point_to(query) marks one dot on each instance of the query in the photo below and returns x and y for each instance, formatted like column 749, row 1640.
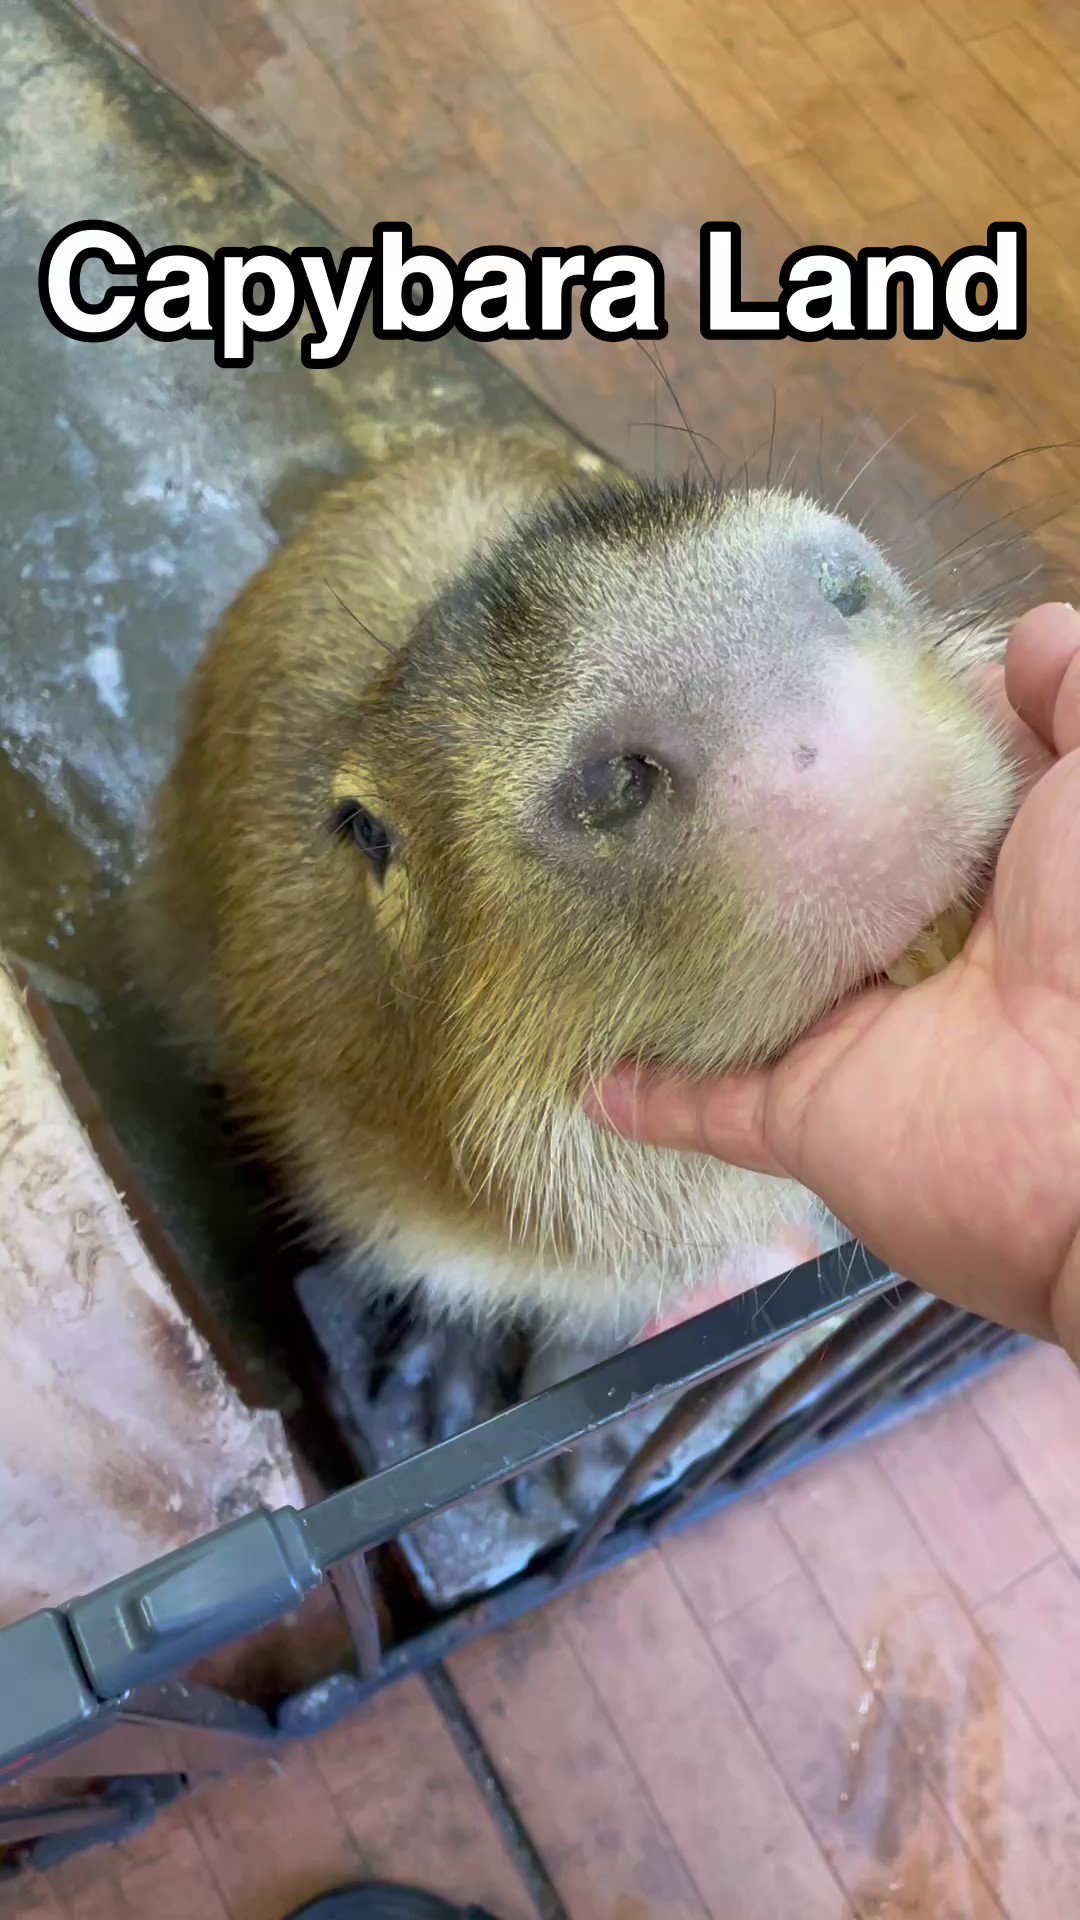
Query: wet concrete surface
column 140, row 486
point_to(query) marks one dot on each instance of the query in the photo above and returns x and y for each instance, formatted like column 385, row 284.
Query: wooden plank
column 1026, row 72
column 848, row 1758
column 38, row 1898
column 851, row 1533
column 969, row 18
column 730, row 1560
column 972, row 1735
column 808, row 16
column 702, row 1759
column 984, row 1531
column 577, row 1787
column 167, row 1878
column 746, row 122
column 273, row 1838
column 1035, row 1631
column 948, row 73
column 411, row 1807
column 1032, row 1408
column 574, row 113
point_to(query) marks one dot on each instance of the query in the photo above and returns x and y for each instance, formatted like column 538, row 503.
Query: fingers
column 1042, row 676
column 1067, row 709
column 751, row 1119
column 1033, row 756
column 725, row 1118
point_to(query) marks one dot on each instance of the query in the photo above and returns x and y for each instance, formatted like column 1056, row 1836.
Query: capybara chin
column 501, row 772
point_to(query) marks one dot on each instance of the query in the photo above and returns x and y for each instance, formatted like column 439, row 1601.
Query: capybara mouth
column 935, row 948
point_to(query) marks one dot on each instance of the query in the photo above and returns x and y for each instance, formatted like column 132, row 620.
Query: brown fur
column 413, row 1052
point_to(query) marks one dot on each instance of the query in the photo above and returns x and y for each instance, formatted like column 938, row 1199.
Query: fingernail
column 611, row 1105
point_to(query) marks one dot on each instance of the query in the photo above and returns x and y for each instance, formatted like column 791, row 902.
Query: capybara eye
column 847, row 589
column 606, row 794
column 369, row 834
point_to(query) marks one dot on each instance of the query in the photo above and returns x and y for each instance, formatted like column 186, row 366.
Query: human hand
column 941, row 1124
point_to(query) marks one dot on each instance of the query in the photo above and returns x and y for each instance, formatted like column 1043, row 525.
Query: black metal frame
column 89, row 1694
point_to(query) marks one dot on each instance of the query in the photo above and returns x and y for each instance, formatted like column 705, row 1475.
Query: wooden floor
column 858, row 1696
column 847, row 122
column 861, row 1695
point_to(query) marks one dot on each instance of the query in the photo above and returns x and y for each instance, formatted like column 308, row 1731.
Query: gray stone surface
column 140, row 486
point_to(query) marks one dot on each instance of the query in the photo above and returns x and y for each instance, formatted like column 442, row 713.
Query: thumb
column 1067, row 709
column 1042, row 674
column 755, row 1119
column 725, row 1118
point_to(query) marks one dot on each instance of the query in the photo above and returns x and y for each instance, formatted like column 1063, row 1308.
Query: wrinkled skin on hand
column 942, row 1124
